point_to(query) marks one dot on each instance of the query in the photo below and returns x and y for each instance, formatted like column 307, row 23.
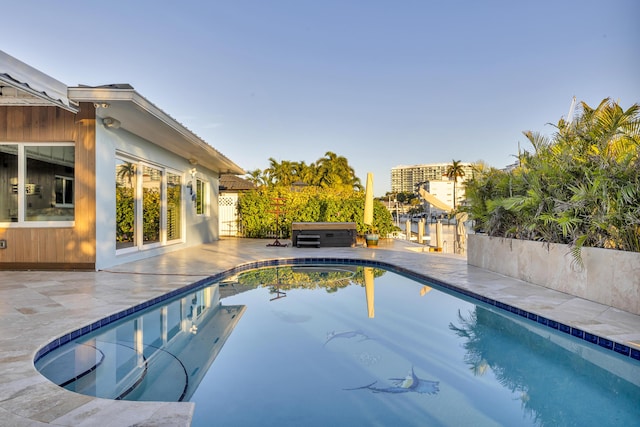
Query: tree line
column 330, row 172
column 324, row 191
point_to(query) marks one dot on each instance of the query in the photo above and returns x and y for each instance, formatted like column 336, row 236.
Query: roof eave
column 45, row 89
column 116, row 100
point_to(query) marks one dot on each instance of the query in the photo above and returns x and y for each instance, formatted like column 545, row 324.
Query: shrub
column 257, row 210
column 581, row 188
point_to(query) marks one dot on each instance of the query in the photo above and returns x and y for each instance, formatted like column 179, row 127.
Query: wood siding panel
column 86, row 184
column 28, row 119
column 51, row 245
column 55, row 247
column 15, row 124
column 7, row 255
column 26, row 246
column 3, row 124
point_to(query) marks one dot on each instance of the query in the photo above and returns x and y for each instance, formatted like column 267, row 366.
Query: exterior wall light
column 111, row 123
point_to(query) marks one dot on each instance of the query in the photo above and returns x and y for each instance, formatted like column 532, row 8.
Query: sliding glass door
column 151, row 204
column 174, row 206
column 148, row 205
column 126, row 206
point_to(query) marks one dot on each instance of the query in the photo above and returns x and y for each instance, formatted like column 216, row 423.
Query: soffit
column 137, row 115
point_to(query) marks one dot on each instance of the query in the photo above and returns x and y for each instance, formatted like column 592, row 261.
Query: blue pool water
column 349, row 345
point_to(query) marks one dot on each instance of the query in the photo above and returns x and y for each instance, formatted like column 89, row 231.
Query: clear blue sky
column 382, row 83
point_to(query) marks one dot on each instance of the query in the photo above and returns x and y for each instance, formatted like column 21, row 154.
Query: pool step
column 72, row 364
column 81, row 367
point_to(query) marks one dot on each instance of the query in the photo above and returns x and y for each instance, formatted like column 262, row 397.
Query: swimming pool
column 348, row 344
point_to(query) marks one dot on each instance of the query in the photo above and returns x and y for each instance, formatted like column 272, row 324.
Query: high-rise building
column 407, row 178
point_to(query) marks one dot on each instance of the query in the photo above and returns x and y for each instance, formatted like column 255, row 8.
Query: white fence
column 228, row 215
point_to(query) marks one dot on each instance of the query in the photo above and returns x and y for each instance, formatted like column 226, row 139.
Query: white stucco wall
column 196, row 229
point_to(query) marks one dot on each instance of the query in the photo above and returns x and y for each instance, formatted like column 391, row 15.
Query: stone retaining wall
column 607, row 276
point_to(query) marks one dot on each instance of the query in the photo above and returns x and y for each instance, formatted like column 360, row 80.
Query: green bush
column 257, row 210
column 125, row 215
column 582, row 187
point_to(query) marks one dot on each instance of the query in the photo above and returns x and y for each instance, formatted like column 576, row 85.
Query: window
column 36, row 183
column 126, row 179
column 64, row 191
column 148, row 205
column 174, row 206
column 151, row 204
column 9, row 183
column 202, row 204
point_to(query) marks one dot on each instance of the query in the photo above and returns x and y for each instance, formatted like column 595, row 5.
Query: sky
column 383, row 83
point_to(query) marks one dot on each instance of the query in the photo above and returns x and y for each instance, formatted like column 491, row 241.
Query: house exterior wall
column 196, row 229
column 54, row 247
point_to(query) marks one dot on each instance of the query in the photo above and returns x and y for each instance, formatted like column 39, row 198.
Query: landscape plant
column 258, row 217
column 331, row 172
column 324, row 191
column 125, row 214
column 580, row 187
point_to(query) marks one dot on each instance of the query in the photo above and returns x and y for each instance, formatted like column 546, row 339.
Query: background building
column 443, row 191
column 407, row 178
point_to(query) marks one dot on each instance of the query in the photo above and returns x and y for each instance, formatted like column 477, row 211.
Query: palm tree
column 286, row 172
column 257, row 177
column 579, row 187
column 454, row 171
column 334, row 171
column 126, row 171
column 600, row 207
column 306, row 173
column 331, row 171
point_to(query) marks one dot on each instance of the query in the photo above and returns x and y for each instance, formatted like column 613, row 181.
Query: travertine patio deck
column 37, row 307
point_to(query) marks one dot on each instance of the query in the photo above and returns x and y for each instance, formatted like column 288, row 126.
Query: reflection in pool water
column 311, row 346
column 161, row 354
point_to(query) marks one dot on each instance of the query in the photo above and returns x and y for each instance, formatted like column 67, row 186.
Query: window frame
column 136, row 245
column 181, row 208
column 142, row 166
column 164, row 171
column 202, row 186
column 22, row 185
column 64, row 203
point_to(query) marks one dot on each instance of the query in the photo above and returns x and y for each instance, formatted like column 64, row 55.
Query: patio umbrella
column 368, row 286
column 368, row 200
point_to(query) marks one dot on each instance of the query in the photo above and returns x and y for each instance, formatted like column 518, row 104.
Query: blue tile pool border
column 602, row 342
